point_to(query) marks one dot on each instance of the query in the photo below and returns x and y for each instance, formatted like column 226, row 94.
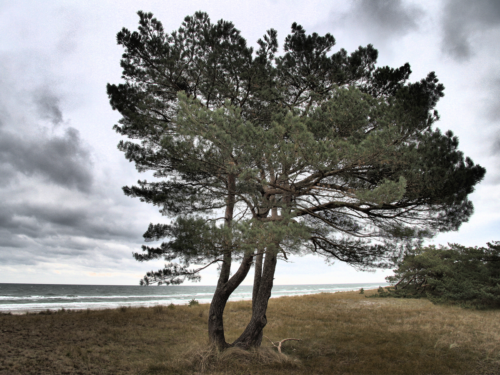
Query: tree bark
column 252, row 336
column 226, row 285
column 222, row 293
column 257, row 277
column 263, row 284
column 256, row 286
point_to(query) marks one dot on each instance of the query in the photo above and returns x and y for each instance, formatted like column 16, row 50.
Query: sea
column 26, row 298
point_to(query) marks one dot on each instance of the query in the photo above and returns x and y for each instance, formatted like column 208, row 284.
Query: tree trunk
column 256, row 287
column 222, row 293
column 263, row 284
column 226, row 285
column 252, row 336
column 257, row 277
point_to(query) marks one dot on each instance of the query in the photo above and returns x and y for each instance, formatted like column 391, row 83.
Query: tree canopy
column 469, row 276
column 259, row 155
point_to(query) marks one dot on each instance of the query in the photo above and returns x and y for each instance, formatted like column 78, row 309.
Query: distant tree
column 469, row 276
column 304, row 152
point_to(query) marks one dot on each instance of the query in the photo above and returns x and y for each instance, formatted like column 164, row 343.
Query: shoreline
column 50, row 311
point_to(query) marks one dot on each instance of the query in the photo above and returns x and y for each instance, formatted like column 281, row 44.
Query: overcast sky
column 63, row 216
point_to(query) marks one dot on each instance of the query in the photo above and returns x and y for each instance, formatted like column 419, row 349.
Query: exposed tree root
column 280, row 342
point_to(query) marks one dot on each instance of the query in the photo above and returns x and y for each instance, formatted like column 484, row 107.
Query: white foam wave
column 79, row 302
column 66, row 297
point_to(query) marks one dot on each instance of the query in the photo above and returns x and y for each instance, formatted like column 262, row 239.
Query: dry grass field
column 341, row 333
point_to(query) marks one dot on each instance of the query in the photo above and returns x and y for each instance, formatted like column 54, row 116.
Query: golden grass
column 341, row 333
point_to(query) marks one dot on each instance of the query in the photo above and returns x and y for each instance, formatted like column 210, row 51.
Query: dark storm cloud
column 51, row 206
column 71, row 228
column 8, row 241
column 386, row 18
column 464, row 18
column 62, row 160
column 42, row 220
column 26, row 146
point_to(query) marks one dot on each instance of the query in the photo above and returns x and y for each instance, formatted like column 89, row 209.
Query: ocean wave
column 92, row 305
column 39, row 301
column 276, row 291
column 53, row 297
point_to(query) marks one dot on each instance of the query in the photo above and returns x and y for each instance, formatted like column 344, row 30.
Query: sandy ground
column 58, row 343
column 340, row 333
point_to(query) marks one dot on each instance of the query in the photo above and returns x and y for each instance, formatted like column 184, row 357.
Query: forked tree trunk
column 222, row 293
column 263, row 284
column 226, row 285
column 252, row 336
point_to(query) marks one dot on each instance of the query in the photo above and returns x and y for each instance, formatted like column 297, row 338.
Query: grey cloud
column 48, row 106
column 18, row 256
column 387, row 18
column 26, row 255
column 7, row 174
column 493, row 105
column 10, row 242
column 26, row 146
column 67, row 226
column 56, row 205
column 491, row 111
column 5, row 216
column 62, row 160
column 496, row 145
column 462, row 19
column 42, row 220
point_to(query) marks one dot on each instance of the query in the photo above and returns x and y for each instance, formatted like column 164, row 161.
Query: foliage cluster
column 193, row 302
column 259, row 155
column 310, row 150
column 469, row 276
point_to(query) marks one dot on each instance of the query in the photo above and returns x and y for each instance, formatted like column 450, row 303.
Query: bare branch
column 281, row 342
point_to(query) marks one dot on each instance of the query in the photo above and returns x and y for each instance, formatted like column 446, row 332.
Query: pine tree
column 308, row 151
column 468, row 276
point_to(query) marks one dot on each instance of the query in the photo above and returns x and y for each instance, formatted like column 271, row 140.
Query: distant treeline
column 467, row 276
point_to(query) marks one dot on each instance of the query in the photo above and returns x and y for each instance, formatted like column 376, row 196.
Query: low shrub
column 466, row 276
column 193, row 302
